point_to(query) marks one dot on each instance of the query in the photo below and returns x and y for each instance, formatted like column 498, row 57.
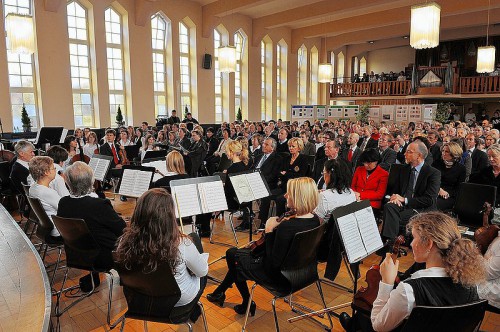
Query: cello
column 365, row 296
column 487, row 233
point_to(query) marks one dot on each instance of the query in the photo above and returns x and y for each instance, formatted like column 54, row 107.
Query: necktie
column 411, row 183
column 262, row 160
column 115, row 156
column 363, row 145
column 349, row 155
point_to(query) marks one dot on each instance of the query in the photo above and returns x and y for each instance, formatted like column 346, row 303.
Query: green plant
column 25, row 119
column 443, row 112
column 186, row 111
column 363, row 113
column 239, row 116
column 119, row 117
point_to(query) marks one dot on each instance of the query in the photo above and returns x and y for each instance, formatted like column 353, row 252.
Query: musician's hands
column 389, row 270
column 397, row 199
column 271, row 224
column 443, row 193
column 118, row 166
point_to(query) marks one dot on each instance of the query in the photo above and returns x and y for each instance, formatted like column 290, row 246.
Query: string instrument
column 6, row 155
column 487, row 233
column 258, row 246
column 122, row 154
column 80, row 156
column 365, row 296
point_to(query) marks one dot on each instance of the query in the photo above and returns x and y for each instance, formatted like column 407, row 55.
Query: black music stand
column 136, row 168
column 132, row 152
column 48, row 135
column 155, row 154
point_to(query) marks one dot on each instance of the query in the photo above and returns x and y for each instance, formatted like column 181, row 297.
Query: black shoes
column 204, row 233
column 217, row 298
column 346, row 321
column 241, row 309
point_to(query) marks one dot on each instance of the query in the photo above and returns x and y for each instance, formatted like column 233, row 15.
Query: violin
column 258, row 246
column 487, row 233
column 6, row 155
column 80, row 156
column 365, row 296
column 122, row 154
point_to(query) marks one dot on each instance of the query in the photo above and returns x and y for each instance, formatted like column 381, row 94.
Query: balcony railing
column 480, row 84
column 388, row 88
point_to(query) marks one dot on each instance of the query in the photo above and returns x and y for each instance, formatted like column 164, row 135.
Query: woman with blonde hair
column 302, row 196
column 175, row 168
column 453, row 266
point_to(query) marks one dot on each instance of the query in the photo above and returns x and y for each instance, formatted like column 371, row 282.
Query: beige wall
column 385, row 60
column 53, row 68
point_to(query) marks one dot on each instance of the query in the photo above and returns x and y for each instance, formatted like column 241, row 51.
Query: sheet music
column 351, row 236
column 257, row 186
column 100, row 167
column 63, row 135
column 368, row 229
column 159, row 165
column 242, row 188
column 134, row 182
column 187, row 196
column 212, row 196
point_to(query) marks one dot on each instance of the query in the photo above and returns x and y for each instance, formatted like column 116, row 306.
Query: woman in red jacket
column 370, row 180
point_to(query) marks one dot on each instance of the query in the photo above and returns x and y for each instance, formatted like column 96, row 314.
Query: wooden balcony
column 377, row 89
column 480, row 84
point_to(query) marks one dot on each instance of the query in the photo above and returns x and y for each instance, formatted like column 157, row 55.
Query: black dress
column 297, row 169
column 165, row 181
column 450, row 181
column 486, row 177
column 237, row 167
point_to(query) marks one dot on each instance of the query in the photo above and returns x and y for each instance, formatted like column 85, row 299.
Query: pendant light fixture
column 227, row 59
column 20, row 33
column 486, row 54
column 325, row 69
column 424, row 26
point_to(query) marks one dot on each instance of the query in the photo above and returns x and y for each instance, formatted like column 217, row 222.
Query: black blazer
column 197, row 153
column 355, row 156
column 387, row 158
column 401, row 154
column 299, row 168
column 185, row 143
column 165, row 181
column 320, row 153
column 270, row 169
column 232, row 201
column 19, row 175
column 436, row 151
column 213, row 145
column 426, row 189
column 371, row 144
column 479, row 161
column 105, row 150
column 282, row 147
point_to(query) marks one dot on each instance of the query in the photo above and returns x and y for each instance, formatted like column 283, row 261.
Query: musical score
column 134, row 182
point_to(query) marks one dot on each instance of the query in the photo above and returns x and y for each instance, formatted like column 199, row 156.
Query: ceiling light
column 20, row 33
column 424, row 26
column 227, row 59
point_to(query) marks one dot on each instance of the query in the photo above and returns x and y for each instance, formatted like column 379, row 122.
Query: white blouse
column 49, row 199
column 330, row 199
column 490, row 289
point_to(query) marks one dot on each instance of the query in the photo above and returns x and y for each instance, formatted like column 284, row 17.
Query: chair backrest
column 224, row 163
column 460, row 318
column 26, row 189
column 5, row 168
column 80, row 246
column 300, row 266
column 45, row 225
column 470, row 201
column 149, row 295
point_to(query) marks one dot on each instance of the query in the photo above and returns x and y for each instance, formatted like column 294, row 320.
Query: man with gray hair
column 105, row 225
column 20, row 173
column 415, row 189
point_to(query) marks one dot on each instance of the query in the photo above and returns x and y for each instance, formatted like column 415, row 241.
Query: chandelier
column 424, row 26
column 20, row 33
column 227, row 59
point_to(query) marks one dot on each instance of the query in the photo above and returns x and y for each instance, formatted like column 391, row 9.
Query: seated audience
column 309, row 148
column 370, row 180
column 489, row 175
column 302, row 197
column 387, row 155
column 352, row 152
column 479, row 158
column 153, row 239
column 490, row 289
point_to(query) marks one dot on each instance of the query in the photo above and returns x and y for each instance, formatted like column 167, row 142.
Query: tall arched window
column 332, row 61
column 266, row 59
column 313, row 95
column 218, row 77
column 281, row 79
column 22, row 80
column 160, row 32
column 362, row 66
column 184, row 55
column 116, row 72
column 302, row 75
column 239, row 42
column 340, row 68
column 79, row 53
column 355, row 66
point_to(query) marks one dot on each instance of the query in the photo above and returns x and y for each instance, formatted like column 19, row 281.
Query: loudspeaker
column 207, row 61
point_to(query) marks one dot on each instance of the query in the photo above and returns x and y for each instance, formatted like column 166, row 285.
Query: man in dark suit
column 415, row 190
column 269, row 164
column 173, row 118
column 332, row 148
column 110, row 148
column 387, row 154
column 212, row 141
column 400, row 147
column 352, row 152
column 282, row 141
column 20, row 168
column 367, row 142
column 435, row 148
column 479, row 158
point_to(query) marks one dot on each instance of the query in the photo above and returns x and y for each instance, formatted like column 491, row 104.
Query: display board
column 415, row 113
column 335, row 112
column 351, row 111
column 320, row 111
column 401, row 113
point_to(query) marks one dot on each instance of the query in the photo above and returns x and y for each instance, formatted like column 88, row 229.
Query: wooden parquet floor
column 90, row 314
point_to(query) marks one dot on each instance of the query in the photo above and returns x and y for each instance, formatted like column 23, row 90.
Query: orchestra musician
column 59, row 156
column 90, row 148
column 301, row 196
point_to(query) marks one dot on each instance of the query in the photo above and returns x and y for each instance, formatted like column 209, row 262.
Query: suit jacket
column 479, row 161
column 197, row 154
column 318, row 170
column 213, row 145
column 185, row 143
column 105, row 150
column 320, row 153
column 270, row 168
column 401, row 154
column 371, row 144
column 387, row 158
column 309, row 149
column 426, row 189
column 19, row 175
column 299, row 168
column 371, row 188
column 436, row 150
column 282, row 147
column 355, row 156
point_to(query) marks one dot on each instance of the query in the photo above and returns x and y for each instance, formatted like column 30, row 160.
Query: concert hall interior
column 345, row 152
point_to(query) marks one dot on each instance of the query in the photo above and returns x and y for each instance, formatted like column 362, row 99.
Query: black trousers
column 395, row 217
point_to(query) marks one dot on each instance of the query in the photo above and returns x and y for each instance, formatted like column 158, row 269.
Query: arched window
column 160, row 32
column 116, row 72
column 340, row 68
column 362, row 66
column 184, row 54
column 266, row 59
column 22, row 80
column 355, row 65
column 218, row 77
column 281, row 79
column 313, row 93
column 79, row 53
column 239, row 43
column 302, row 75
column 332, row 61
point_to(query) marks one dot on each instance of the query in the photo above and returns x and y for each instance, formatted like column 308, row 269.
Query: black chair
column 32, row 219
column 43, row 230
column 5, row 189
column 460, row 318
column 300, row 268
column 81, row 253
column 152, row 297
column 470, row 201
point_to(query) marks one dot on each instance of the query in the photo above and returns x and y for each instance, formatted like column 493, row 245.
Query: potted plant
column 363, row 113
column 25, row 119
column 443, row 112
column 119, row 117
column 239, row 116
column 186, row 111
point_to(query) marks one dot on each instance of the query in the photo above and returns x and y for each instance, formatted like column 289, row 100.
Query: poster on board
column 429, row 111
column 335, row 112
column 351, row 111
column 374, row 113
column 415, row 113
column 308, row 112
column 387, row 112
column 401, row 113
column 296, row 112
column 320, row 112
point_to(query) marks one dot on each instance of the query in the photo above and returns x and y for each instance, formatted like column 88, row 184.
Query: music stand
column 48, row 135
column 155, row 154
column 135, row 180
column 132, row 151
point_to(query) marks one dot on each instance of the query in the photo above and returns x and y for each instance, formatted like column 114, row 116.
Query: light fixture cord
column 488, row 24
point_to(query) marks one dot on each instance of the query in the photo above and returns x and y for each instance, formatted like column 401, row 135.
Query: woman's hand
column 443, row 193
column 271, row 224
column 358, row 196
column 389, row 270
column 283, row 172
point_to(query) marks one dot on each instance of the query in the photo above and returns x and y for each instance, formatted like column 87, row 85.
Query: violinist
column 302, row 197
column 110, row 148
column 90, row 148
column 148, row 146
column 490, row 288
column 124, row 138
column 59, row 155
column 71, row 145
column 437, row 243
column 79, row 136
